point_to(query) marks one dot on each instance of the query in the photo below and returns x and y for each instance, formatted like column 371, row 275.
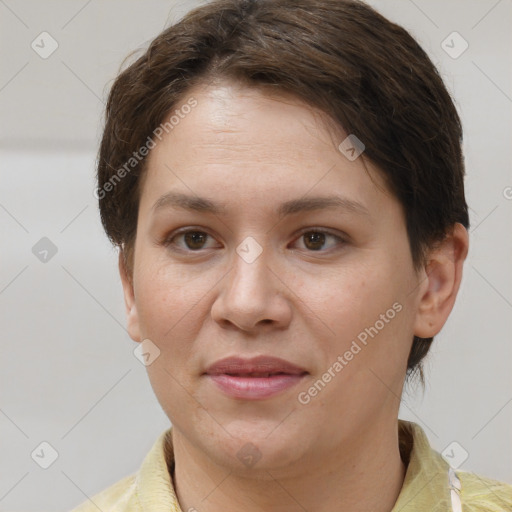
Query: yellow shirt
column 430, row 484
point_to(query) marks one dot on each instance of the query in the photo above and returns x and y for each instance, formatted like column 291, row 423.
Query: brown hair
column 341, row 56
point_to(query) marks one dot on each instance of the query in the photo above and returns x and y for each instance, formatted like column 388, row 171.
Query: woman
column 285, row 182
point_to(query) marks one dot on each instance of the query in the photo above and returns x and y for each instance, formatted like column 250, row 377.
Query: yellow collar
column 429, row 485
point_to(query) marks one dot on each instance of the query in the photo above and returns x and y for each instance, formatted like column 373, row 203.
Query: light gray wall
column 67, row 372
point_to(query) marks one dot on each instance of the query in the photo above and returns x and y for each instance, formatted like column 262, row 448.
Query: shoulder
column 118, row 497
column 481, row 494
column 149, row 488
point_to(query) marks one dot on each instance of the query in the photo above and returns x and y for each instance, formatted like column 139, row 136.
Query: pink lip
column 256, row 378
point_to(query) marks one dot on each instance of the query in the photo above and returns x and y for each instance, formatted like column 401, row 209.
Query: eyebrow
column 202, row 204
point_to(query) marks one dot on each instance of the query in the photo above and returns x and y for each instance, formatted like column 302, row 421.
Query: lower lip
column 255, row 388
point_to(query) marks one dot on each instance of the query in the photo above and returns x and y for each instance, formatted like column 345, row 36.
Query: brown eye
column 317, row 240
column 191, row 240
column 314, row 241
column 195, row 239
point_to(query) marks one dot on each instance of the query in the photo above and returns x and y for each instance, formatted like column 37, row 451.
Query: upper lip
column 256, row 365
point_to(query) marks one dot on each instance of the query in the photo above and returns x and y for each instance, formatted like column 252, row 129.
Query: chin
column 256, row 446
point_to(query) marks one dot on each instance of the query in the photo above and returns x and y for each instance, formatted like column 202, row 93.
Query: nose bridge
column 250, row 275
column 251, row 293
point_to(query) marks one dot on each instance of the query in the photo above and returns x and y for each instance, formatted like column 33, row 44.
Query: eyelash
column 169, row 240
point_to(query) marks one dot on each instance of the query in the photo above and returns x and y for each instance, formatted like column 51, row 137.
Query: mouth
column 254, row 367
column 254, row 379
column 257, row 375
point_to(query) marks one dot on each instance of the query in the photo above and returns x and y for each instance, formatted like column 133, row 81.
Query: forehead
column 245, row 141
column 232, row 116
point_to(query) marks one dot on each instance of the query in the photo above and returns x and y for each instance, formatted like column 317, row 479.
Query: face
column 294, row 252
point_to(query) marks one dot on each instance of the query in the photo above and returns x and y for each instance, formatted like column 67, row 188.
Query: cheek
column 169, row 298
column 345, row 300
column 169, row 306
column 366, row 307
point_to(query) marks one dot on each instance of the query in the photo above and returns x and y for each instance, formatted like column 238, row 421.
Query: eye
column 193, row 240
column 315, row 239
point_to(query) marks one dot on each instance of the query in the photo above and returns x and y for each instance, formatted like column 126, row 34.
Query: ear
column 129, row 300
column 442, row 278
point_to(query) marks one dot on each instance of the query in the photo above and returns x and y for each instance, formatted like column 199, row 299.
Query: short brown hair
column 341, row 56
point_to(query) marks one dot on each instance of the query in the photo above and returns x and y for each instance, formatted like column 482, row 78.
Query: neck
column 364, row 474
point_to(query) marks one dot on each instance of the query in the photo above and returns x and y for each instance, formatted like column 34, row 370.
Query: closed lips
column 256, row 374
column 261, row 366
column 258, row 378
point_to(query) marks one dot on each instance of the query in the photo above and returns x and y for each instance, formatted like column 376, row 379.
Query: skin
column 252, row 151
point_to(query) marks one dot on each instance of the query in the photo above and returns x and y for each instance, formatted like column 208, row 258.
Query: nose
column 252, row 295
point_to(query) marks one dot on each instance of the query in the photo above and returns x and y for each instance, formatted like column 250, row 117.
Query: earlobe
column 443, row 278
column 129, row 300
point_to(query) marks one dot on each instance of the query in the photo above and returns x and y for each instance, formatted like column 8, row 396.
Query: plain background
column 68, row 375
